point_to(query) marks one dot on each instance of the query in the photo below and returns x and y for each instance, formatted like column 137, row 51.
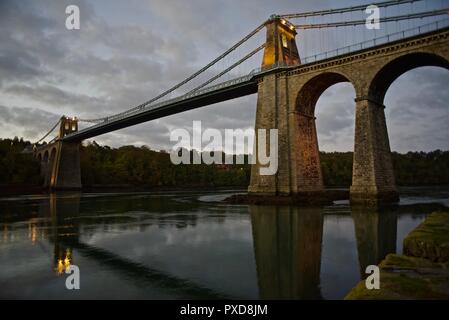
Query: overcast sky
column 126, row 52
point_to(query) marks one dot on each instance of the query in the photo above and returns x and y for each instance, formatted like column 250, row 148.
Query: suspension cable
column 347, row 9
column 249, row 55
column 194, row 75
column 51, row 130
column 386, row 19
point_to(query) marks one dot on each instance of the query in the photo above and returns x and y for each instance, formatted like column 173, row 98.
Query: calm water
column 188, row 245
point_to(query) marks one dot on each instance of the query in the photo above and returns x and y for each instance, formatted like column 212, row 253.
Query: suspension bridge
column 288, row 83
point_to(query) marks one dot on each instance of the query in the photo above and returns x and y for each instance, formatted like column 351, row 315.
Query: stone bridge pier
column 60, row 160
column 287, row 99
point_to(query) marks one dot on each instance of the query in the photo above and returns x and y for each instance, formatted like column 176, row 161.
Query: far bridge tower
column 60, row 160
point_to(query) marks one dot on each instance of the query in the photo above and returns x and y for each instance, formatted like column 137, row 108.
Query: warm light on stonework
column 64, row 264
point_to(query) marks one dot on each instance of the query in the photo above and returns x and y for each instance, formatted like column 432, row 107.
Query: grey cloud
column 57, row 98
column 335, row 113
column 121, row 59
column 418, row 119
column 26, row 122
column 19, row 67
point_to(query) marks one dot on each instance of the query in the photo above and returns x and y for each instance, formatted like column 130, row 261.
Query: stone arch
column 307, row 164
column 39, row 157
column 52, row 154
column 46, row 156
column 395, row 68
column 311, row 91
column 373, row 176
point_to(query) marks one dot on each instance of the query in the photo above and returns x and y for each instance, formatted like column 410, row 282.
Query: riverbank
column 325, row 197
column 422, row 272
column 8, row 190
column 122, row 188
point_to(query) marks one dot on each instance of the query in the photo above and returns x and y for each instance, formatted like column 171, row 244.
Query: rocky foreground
column 422, row 272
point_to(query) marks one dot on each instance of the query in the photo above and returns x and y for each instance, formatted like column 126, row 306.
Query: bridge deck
column 239, row 89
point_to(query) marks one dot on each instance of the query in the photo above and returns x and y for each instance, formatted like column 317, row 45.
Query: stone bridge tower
column 60, row 160
column 273, row 113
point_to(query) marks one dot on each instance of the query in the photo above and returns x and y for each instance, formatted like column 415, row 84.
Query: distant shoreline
column 6, row 190
column 25, row 190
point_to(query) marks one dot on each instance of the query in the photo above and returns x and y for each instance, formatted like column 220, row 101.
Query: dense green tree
column 143, row 167
column 16, row 167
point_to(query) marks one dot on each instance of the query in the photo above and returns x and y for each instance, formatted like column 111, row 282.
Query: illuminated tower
column 280, row 46
column 68, row 125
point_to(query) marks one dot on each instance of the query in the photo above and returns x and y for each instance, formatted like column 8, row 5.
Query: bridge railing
column 184, row 97
column 433, row 26
column 195, row 93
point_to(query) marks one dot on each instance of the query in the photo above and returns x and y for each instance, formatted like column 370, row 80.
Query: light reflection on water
column 188, row 245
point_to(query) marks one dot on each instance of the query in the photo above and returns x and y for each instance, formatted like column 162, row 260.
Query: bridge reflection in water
column 170, row 247
column 65, row 236
column 287, row 246
column 61, row 234
column 376, row 235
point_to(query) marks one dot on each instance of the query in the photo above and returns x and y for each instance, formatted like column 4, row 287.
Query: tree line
column 143, row 167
